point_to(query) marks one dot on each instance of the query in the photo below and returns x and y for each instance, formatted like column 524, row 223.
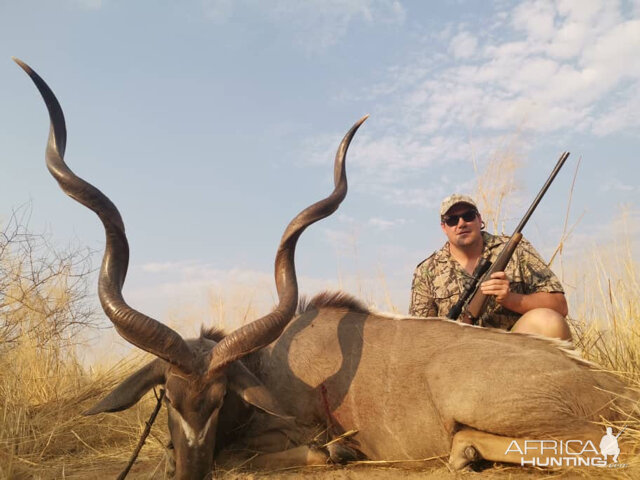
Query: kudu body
column 425, row 388
column 415, row 389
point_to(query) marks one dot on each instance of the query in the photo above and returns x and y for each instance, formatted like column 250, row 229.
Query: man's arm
column 498, row 286
column 422, row 300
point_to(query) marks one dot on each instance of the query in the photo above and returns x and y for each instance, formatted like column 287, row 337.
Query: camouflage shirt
column 439, row 280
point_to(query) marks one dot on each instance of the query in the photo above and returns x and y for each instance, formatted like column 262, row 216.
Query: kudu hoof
column 463, row 458
column 340, row 453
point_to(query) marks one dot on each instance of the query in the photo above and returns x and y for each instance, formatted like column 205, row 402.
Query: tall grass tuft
column 43, row 386
column 496, row 184
column 606, row 302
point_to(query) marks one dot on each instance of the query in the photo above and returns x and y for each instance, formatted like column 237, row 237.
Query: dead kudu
column 414, row 389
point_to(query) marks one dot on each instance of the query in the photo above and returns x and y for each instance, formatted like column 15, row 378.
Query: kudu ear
column 252, row 390
column 132, row 389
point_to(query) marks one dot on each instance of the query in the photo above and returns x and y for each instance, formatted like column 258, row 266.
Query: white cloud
column 535, row 18
column 622, row 115
column 396, row 156
column 426, row 198
column 616, row 52
column 200, row 273
column 463, row 45
column 557, row 68
column 343, row 241
column 342, row 218
column 383, row 224
column 195, row 289
column 162, row 267
column 618, row 185
column 569, row 41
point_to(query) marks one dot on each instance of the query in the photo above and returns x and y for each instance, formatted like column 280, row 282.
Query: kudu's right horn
column 142, row 331
column 265, row 330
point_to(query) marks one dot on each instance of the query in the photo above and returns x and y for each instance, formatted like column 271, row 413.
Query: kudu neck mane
column 326, row 299
column 335, row 299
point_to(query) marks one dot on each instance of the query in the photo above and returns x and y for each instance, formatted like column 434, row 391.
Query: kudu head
column 196, row 374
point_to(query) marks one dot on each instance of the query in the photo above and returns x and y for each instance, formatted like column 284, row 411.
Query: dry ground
column 154, row 469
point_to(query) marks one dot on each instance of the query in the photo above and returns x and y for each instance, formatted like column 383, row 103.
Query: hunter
column 527, row 297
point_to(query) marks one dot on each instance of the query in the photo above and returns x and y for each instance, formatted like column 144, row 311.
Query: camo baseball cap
column 454, row 199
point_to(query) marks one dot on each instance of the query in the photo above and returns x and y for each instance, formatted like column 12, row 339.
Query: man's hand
column 498, row 286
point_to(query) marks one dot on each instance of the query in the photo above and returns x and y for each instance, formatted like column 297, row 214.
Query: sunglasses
column 452, row 220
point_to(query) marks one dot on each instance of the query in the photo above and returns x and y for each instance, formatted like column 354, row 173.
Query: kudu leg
column 301, row 456
column 472, row 445
column 307, row 455
column 279, row 452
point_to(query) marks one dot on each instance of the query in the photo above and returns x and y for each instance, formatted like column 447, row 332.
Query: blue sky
column 211, row 123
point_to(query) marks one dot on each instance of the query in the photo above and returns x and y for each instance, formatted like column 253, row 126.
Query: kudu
column 415, row 389
column 197, row 374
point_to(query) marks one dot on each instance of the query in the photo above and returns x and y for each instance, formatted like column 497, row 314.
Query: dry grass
column 607, row 304
column 43, row 386
column 496, row 185
column 42, row 431
column 604, row 295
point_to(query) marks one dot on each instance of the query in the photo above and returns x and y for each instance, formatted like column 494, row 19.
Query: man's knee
column 543, row 321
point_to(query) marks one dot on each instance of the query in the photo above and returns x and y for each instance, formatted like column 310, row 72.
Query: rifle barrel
column 545, row 187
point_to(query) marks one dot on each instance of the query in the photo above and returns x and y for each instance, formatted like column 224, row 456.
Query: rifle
column 473, row 302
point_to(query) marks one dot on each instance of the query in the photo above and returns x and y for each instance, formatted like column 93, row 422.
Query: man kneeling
column 527, row 297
